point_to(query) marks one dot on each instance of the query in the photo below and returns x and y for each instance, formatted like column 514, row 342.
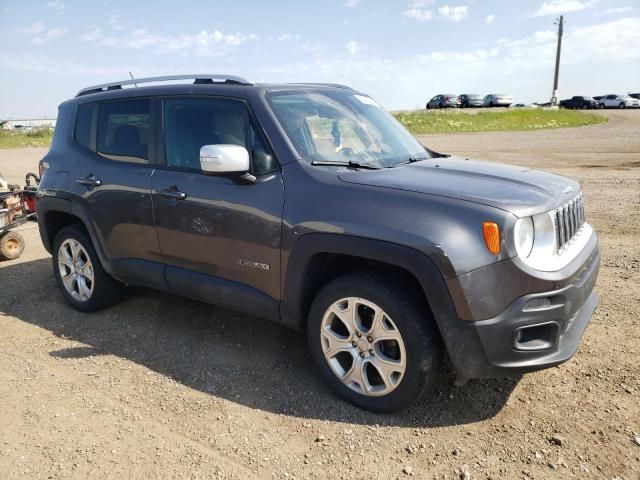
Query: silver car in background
column 618, row 101
column 443, row 100
column 497, row 100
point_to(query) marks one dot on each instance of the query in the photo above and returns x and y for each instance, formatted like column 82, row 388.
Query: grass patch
column 494, row 120
column 20, row 139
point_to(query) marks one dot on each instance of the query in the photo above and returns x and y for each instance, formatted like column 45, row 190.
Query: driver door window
column 193, row 123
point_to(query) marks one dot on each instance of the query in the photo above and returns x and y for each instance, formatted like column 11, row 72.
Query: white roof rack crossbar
column 136, row 81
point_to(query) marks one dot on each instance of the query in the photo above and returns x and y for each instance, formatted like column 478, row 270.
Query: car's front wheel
column 374, row 341
column 622, row 105
column 79, row 273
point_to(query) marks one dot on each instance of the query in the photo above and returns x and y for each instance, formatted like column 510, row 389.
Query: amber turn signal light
column 491, row 234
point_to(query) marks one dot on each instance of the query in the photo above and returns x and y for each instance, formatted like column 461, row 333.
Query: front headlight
column 523, row 236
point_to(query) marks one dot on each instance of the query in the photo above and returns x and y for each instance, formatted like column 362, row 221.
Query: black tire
column 584, row 106
column 441, row 105
column 428, row 107
column 622, row 105
column 107, row 291
column 422, row 342
column 491, row 104
column 11, row 246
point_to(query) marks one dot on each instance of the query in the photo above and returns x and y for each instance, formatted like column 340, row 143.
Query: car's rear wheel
column 622, row 105
column 79, row 273
column 441, row 105
column 374, row 341
column 584, row 106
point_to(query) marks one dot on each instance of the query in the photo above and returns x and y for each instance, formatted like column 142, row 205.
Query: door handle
column 172, row 192
column 90, row 181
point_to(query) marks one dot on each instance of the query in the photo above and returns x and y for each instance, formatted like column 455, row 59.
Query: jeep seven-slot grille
column 569, row 218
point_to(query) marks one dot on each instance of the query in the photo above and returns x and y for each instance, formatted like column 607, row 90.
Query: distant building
column 27, row 123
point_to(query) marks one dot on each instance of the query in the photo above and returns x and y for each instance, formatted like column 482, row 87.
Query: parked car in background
column 598, row 97
column 635, row 95
column 497, row 100
column 468, row 100
column 579, row 102
column 618, row 101
column 443, row 100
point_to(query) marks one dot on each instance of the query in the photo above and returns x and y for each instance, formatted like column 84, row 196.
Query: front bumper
column 536, row 331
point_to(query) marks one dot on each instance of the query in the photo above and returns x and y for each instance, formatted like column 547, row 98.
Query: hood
column 518, row 190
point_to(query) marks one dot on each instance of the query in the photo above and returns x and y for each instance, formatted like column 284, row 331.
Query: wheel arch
column 318, row 258
column 54, row 214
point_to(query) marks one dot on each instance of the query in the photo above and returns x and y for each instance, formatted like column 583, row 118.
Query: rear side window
column 83, row 125
column 124, row 131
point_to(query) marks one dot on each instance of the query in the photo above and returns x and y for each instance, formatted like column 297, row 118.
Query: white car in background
column 497, row 100
column 618, row 101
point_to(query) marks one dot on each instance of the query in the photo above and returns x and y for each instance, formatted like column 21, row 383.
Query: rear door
column 112, row 186
column 219, row 235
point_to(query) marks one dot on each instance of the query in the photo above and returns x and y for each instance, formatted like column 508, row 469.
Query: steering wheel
column 346, row 152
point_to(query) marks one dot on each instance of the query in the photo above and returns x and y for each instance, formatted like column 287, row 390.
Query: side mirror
column 224, row 158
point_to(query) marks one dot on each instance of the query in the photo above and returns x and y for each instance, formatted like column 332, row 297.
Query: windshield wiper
column 349, row 163
column 411, row 160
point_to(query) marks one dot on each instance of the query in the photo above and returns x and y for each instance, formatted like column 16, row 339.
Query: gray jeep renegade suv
column 309, row 205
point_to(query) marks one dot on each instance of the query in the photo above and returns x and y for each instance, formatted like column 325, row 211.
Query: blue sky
column 401, row 52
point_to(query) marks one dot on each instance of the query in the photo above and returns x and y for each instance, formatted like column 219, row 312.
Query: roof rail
column 198, row 78
column 316, row 84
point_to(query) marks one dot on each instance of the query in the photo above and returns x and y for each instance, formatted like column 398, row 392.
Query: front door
column 219, row 235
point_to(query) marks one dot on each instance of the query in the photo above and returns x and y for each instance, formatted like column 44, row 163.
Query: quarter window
column 190, row 124
column 124, row 131
column 84, row 119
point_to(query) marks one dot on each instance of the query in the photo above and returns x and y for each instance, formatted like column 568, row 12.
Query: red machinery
column 17, row 206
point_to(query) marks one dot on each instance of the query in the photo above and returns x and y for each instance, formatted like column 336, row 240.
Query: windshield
column 343, row 126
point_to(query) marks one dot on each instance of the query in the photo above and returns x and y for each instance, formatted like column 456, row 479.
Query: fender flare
column 301, row 268
column 48, row 204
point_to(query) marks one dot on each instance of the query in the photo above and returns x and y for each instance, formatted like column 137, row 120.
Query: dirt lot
column 163, row 387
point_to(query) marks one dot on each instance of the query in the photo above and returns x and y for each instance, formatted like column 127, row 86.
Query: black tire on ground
column 622, row 105
column 441, row 105
column 11, row 245
column 107, row 291
column 491, row 104
column 412, row 317
column 428, row 107
column 584, row 106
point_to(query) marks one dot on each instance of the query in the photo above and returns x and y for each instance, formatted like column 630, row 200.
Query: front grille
column 568, row 219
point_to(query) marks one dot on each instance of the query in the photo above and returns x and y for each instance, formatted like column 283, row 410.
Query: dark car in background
column 635, row 95
column 579, row 102
column 403, row 256
column 443, row 100
column 469, row 100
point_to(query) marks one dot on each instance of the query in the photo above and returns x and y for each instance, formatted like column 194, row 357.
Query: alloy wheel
column 363, row 346
column 76, row 270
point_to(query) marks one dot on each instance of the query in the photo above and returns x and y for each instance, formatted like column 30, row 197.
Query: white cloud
column 56, row 5
column 114, row 22
column 351, row 3
column 37, row 27
column 556, row 7
column 489, row 18
column 206, row 44
column 354, row 47
column 454, row 14
column 616, row 10
column 416, row 10
column 56, row 32
column 286, row 37
column 40, row 34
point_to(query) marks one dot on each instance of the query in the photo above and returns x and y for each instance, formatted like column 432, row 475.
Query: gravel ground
column 163, row 387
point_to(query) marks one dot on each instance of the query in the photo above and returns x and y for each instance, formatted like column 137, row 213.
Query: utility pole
column 554, row 95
